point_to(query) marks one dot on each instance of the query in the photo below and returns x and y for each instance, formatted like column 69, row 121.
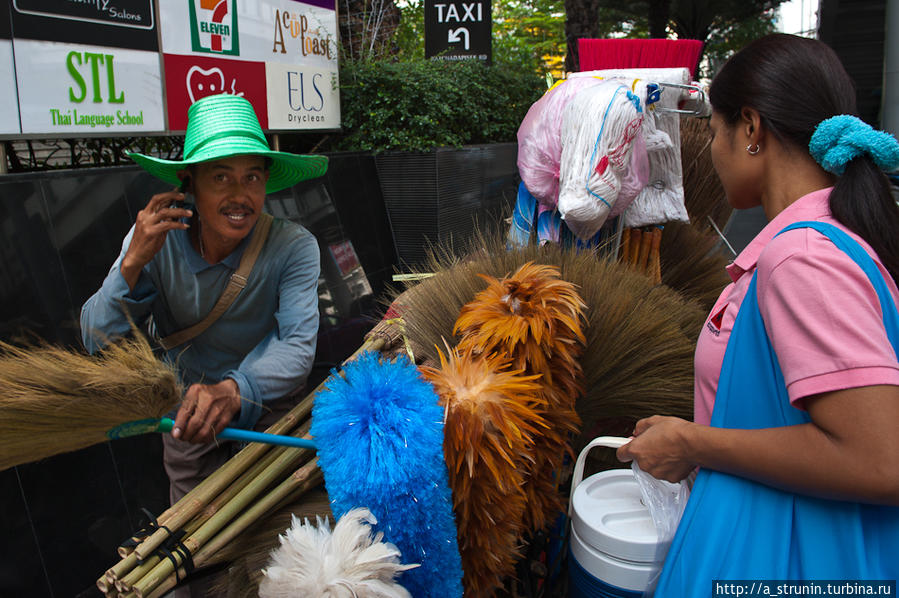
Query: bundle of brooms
column 640, row 335
column 638, row 361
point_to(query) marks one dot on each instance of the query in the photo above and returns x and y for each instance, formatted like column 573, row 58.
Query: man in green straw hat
column 242, row 366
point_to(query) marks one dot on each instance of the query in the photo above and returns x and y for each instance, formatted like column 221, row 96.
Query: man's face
column 229, row 194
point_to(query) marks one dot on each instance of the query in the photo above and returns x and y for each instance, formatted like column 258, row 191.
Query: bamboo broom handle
column 161, row 520
column 125, row 583
column 195, row 500
column 165, row 570
column 634, row 251
column 655, row 267
column 214, row 524
column 202, row 494
column 645, row 244
column 625, row 245
column 299, row 482
column 119, row 569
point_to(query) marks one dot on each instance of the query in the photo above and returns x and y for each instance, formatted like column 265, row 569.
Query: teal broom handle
column 166, row 424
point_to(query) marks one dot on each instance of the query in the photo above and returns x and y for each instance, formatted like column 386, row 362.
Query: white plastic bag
column 666, row 502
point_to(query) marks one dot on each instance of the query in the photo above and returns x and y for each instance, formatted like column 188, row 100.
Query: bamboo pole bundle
column 209, row 519
column 259, row 478
column 257, row 471
column 303, row 479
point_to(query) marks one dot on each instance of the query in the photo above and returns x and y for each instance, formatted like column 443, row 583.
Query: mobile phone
column 188, row 202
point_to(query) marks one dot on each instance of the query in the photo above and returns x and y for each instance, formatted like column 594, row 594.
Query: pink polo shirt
column 820, row 311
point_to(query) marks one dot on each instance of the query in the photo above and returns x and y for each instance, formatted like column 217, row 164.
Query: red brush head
column 598, row 54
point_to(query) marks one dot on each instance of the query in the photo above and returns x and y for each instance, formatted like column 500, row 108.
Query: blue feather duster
column 379, row 434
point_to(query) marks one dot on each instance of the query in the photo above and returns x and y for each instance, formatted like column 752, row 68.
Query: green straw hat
column 221, row 126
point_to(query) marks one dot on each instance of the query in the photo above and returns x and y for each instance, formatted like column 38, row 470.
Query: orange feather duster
column 491, row 426
column 535, row 317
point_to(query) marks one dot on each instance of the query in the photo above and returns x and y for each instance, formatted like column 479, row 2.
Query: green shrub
column 421, row 104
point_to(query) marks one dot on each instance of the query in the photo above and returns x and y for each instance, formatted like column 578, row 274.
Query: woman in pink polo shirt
column 796, row 431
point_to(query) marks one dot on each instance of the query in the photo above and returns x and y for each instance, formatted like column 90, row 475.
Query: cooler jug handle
column 614, row 442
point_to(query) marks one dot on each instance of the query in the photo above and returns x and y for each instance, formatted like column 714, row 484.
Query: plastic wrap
column 599, row 127
column 666, row 502
column 540, row 139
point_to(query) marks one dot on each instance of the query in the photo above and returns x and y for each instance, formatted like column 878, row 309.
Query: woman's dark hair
column 794, row 83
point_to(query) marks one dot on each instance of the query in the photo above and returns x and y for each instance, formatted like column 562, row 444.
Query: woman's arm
column 850, row 450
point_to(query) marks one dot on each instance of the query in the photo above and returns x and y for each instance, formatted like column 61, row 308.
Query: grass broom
column 56, row 401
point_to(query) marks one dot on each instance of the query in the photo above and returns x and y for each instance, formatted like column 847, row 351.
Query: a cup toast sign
column 302, row 70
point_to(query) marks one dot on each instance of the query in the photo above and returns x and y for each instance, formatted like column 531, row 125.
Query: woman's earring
column 751, row 151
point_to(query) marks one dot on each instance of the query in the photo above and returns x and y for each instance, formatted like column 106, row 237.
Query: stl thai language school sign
column 458, row 30
column 67, row 86
column 279, row 54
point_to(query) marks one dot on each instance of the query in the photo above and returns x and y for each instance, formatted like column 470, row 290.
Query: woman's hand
column 660, row 448
column 206, row 410
column 151, row 226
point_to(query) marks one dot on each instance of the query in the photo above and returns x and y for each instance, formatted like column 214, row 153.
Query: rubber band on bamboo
column 173, row 547
column 138, row 536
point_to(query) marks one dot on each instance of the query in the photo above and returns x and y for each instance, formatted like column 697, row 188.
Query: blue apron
column 737, row 529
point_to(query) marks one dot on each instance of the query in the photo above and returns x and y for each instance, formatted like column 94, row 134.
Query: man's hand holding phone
column 151, row 226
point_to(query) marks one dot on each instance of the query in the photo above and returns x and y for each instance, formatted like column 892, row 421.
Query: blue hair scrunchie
column 839, row 139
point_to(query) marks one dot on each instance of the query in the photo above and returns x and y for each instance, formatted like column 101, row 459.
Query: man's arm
column 126, row 291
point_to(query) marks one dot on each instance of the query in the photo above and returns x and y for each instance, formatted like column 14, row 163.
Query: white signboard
column 72, row 88
column 287, row 31
column 290, row 45
column 302, row 97
column 9, row 105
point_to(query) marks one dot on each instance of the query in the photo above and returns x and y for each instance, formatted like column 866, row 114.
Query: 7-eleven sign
column 214, row 26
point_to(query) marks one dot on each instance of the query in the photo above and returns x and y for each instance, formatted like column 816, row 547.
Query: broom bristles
column 638, row 359
column 55, row 400
column 703, row 193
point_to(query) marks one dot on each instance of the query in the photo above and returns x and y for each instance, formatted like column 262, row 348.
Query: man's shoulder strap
column 235, row 285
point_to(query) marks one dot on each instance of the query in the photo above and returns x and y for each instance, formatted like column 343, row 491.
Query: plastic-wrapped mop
column 540, row 139
column 599, row 127
column 662, row 199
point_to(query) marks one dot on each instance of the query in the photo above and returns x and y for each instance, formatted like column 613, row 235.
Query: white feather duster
column 346, row 563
